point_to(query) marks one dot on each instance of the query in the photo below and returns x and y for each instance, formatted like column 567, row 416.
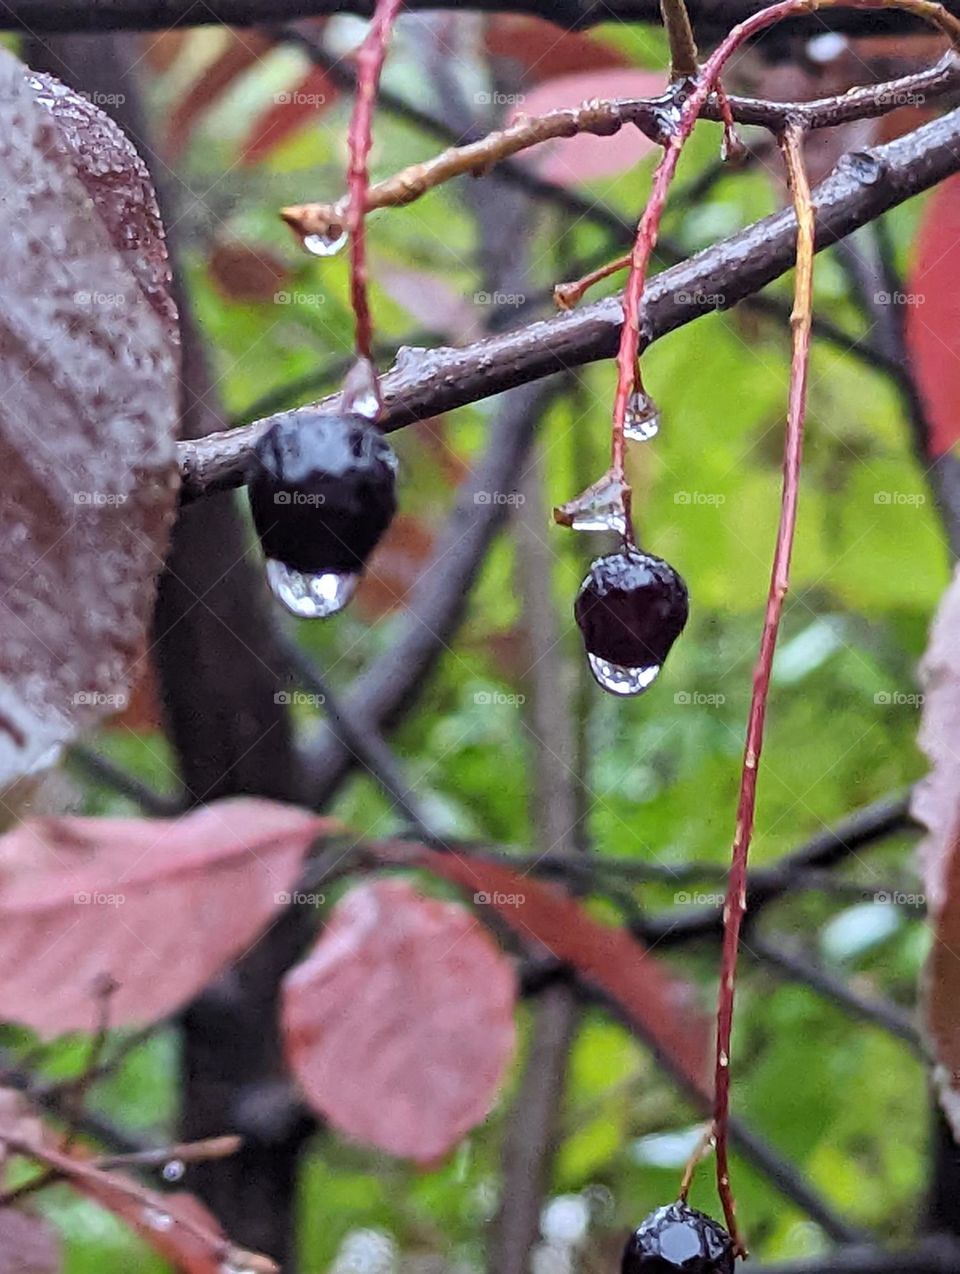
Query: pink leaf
column 27, row 1244
column 574, row 159
column 88, row 421
column 933, row 314
column 160, row 906
column 400, row 1025
column 936, row 800
column 663, row 1007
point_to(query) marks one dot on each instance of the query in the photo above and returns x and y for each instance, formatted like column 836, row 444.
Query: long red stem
column 370, row 57
column 736, row 901
column 649, row 225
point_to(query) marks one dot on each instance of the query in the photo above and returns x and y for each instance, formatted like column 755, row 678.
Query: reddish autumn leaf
column 290, row 111
column 569, row 160
column 936, row 799
column 243, row 49
column 399, row 1025
column 87, row 431
column 245, row 272
column 160, row 906
column 117, row 180
column 28, row 1244
column 933, row 314
column 942, row 999
column 664, row 1008
column 395, row 567
column 160, row 51
column 545, row 51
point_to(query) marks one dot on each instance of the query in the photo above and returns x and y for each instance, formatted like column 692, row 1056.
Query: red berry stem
column 370, row 58
column 791, row 143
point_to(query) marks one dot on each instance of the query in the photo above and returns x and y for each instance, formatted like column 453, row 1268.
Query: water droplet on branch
column 310, row 596
column 642, row 419
column 327, row 244
column 174, row 1170
column 601, row 507
column 361, row 391
column 154, row 1219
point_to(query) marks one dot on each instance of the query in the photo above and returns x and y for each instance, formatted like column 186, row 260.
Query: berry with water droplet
column 631, row 608
column 678, row 1238
column 322, row 494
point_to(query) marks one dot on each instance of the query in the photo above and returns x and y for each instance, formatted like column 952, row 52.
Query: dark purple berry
column 678, row 1238
column 322, row 491
column 631, row 608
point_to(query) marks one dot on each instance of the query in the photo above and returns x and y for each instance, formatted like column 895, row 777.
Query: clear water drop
column 327, row 244
column 310, row 596
column 154, row 1219
column 174, row 1170
column 642, row 419
column 622, row 681
column 361, row 390
column 601, row 507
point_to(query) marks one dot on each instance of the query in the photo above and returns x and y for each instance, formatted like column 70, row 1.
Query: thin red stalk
column 736, row 901
column 649, row 225
column 370, row 57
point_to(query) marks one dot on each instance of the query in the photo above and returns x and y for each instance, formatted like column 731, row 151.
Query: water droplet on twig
column 174, row 1170
column 327, row 244
column 642, row 419
column 361, row 391
column 601, row 507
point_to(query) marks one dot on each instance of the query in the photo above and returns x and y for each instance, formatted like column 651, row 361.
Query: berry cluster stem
column 370, row 58
column 791, row 144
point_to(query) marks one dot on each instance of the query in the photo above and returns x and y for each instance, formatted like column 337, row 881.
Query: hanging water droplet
column 310, row 596
column 622, row 681
column 174, row 1170
column 361, row 391
column 154, row 1219
column 601, row 507
column 327, row 244
column 642, row 419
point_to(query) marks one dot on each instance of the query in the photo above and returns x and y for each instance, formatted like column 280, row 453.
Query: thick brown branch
column 424, row 384
column 709, row 17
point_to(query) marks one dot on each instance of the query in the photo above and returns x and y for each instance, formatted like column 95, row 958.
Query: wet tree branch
column 861, row 188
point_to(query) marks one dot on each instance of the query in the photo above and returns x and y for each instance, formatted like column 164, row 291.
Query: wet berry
column 678, row 1238
column 631, row 608
column 322, row 491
